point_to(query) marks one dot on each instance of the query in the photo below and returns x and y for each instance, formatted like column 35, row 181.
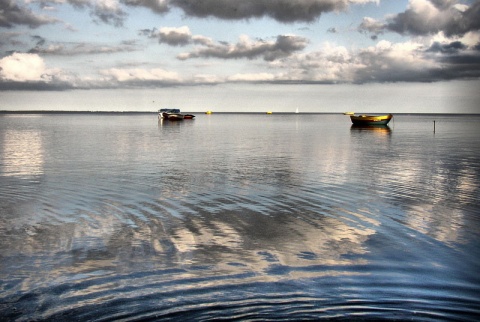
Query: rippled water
column 231, row 216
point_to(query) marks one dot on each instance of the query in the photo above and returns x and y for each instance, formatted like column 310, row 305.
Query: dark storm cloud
column 438, row 62
column 157, row 6
column 458, row 61
column 35, row 86
column 443, row 4
column 113, row 13
column 283, row 46
column 421, row 20
column 280, row 10
column 11, row 13
column 453, row 47
column 428, row 17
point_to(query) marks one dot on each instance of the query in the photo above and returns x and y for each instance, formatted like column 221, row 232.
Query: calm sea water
column 238, row 217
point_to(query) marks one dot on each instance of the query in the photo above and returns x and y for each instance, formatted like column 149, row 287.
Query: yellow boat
column 348, row 113
column 371, row 119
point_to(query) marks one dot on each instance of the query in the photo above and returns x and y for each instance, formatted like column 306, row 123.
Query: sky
column 409, row 56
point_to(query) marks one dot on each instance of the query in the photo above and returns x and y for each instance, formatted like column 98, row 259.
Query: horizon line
column 213, row 112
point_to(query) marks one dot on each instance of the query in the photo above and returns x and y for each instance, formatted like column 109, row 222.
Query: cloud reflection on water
column 127, row 213
column 22, row 154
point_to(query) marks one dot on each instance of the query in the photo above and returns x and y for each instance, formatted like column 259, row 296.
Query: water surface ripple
column 238, row 217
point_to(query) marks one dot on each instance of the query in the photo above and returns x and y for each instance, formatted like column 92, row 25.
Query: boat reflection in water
column 381, row 129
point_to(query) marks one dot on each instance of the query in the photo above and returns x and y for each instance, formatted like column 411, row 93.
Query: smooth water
column 238, row 217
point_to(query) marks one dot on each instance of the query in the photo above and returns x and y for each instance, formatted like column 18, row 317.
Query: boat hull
column 173, row 116
column 371, row 119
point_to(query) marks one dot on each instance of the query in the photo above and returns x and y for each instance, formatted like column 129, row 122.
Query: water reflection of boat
column 374, row 128
column 371, row 119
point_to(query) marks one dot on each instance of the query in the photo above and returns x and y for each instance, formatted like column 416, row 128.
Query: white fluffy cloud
column 14, row 13
column 141, row 75
column 20, row 67
column 29, row 71
column 395, row 62
column 383, row 62
column 429, row 17
column 256, row 77
column 180, row 36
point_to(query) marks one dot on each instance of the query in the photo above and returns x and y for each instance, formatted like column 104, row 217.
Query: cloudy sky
column 241, row 55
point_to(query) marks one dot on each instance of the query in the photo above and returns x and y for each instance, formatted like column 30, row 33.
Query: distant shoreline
column 155, row 112
column 72, row 112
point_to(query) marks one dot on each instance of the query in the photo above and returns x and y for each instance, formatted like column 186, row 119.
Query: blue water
column 120, row 217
